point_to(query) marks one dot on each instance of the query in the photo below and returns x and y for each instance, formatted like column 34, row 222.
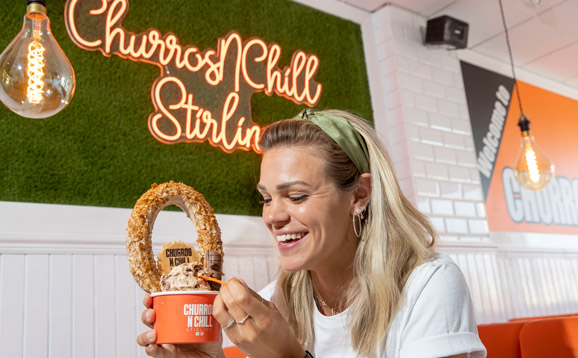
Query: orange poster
column 554, row 124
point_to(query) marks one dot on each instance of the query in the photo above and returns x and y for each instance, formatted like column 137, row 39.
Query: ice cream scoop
column 185, row 277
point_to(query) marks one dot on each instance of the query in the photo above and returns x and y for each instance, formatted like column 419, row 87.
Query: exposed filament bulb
column 35, row 88
column 534, row 170
column 37, row 80
column 532, row 163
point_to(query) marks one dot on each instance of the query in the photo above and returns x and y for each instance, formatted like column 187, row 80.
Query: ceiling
column 544, row 36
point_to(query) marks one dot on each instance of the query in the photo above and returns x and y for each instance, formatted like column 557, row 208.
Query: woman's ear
column 361, row 193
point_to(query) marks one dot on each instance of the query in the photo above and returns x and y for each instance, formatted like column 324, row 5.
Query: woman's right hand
column 253, row 324
column 148, row 339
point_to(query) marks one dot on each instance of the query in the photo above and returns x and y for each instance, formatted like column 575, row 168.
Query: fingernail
column 150, row 335
column 148, row 315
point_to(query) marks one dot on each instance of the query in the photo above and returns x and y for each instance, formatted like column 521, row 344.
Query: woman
column 358, row 275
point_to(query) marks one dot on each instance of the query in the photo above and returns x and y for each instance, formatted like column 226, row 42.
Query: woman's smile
column 290, row 241
column 289, row 238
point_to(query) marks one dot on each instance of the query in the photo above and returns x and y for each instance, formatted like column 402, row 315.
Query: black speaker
column 446, row 32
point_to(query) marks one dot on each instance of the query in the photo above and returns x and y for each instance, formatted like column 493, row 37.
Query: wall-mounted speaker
column 446, row 32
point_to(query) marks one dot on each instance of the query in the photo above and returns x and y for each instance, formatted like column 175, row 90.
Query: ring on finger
column 231, row 322
column 243, row 320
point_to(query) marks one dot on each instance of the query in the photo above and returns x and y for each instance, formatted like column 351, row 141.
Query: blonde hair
column 396, row 238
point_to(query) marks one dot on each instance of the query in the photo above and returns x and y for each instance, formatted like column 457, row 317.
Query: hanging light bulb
column 534, row 170
column 36, row 78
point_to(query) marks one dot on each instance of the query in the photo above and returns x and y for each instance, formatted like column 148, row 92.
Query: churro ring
column 141, row 259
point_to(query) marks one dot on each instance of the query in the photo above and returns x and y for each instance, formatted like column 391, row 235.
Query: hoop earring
column 355, row 230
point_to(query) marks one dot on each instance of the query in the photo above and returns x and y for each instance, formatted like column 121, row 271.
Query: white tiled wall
column 427, row 115
column 429, row 135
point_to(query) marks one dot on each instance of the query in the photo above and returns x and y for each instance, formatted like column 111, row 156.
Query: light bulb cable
column 41, row 2
column 524, row 122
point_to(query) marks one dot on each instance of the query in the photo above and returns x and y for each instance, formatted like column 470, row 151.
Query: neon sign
column 199, row 96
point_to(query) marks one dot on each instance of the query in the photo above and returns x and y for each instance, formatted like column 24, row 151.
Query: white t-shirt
column 436, row 318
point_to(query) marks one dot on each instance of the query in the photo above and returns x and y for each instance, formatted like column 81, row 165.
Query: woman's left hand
column 253, row 324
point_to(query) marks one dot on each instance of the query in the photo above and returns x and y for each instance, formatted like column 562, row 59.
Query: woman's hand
column 253, row 324
column 148, row 339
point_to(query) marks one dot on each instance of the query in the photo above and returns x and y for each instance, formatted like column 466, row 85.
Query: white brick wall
column 427, row 114
column 430, row 139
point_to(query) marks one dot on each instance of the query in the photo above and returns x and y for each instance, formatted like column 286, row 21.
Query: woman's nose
column 275, row 214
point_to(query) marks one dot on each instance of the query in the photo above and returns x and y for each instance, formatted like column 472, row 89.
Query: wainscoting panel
column 507, row 285
column 481, row 273
column 542, row 284
column 60, row 303
column 82, row 305
column 66, row 289
column 12, row 304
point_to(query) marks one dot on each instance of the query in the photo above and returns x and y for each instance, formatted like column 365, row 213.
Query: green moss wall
column 99, row 152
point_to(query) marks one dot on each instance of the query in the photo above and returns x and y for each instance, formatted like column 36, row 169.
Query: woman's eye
column 298, row 198
column 264, row 201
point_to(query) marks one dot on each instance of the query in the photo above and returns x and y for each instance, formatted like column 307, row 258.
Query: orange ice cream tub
column 185, row 317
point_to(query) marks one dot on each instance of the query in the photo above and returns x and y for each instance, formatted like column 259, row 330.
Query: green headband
column 343, row 133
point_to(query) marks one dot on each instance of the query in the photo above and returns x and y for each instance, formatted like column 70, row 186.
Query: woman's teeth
column 289, row 237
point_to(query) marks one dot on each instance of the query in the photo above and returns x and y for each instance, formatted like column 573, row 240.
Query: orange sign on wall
column 509, row 206
column 200, row 95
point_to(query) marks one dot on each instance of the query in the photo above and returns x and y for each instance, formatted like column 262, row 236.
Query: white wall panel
column 12, row 299
column 261, row 272
column 105, row 306
column 78, row 305
column 571, row 269
column 139, row 326
column 245, row 270
column 83, row 293
column 481, row 301
column 513, row 285
column 506, row 284
column 499, row 310
column 60, row 306
column 126, row 303
column 36, row 288
column 89, row 306
column 516, row 287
